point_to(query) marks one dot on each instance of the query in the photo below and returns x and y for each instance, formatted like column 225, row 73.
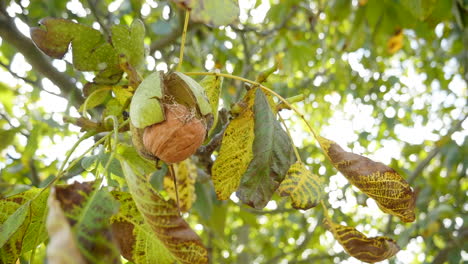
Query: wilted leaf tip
column 380, row 182
column 358, row 245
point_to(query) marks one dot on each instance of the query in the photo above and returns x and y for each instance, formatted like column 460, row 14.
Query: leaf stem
column 184, row 35
column 298, row 157
column 173, row 175
column 116, row 139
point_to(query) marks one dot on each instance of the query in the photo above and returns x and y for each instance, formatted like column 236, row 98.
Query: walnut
column 176, row 138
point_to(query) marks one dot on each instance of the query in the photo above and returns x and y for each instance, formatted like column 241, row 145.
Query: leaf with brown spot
column 88, row 211
column 380, row 182
column 186, row 174
column 358, row 245
column 136, row 241
column 164, row 219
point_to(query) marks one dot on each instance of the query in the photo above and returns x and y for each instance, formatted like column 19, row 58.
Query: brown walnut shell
column 176, row 138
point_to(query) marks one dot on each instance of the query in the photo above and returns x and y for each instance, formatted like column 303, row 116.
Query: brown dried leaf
column 358, row 245
column 380, row 182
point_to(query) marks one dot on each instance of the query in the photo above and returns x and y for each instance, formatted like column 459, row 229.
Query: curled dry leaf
column 304, row 187
column 358, row 245
column 380, row 182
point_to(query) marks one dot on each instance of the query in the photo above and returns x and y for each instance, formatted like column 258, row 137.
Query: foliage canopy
column 382, row 79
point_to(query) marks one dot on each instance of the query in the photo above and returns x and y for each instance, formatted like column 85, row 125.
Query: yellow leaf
column 212, row 85
column 122, row 95
column 302, row 186
column 186, row 174
column 236, row 151
column 380, row 182
column 395, row 43
column 358, row 245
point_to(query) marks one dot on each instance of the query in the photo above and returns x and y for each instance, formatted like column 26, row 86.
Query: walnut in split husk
column 170, row 116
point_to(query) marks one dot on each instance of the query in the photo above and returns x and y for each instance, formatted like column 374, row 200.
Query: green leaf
column 146, row 108
column 11, row 225
column 236, row 152
column 304, row 187
column 212, row 85
column 91, row 51
column 157, row 178
column 22, row 225
column 88, row 211
column 272, row 156
column 96, row 98
column 135, row 239
column 164, row 219
column 121, row 94
column 129, row 41
column 89, row 163
column 114, row 166
column 129, row 153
